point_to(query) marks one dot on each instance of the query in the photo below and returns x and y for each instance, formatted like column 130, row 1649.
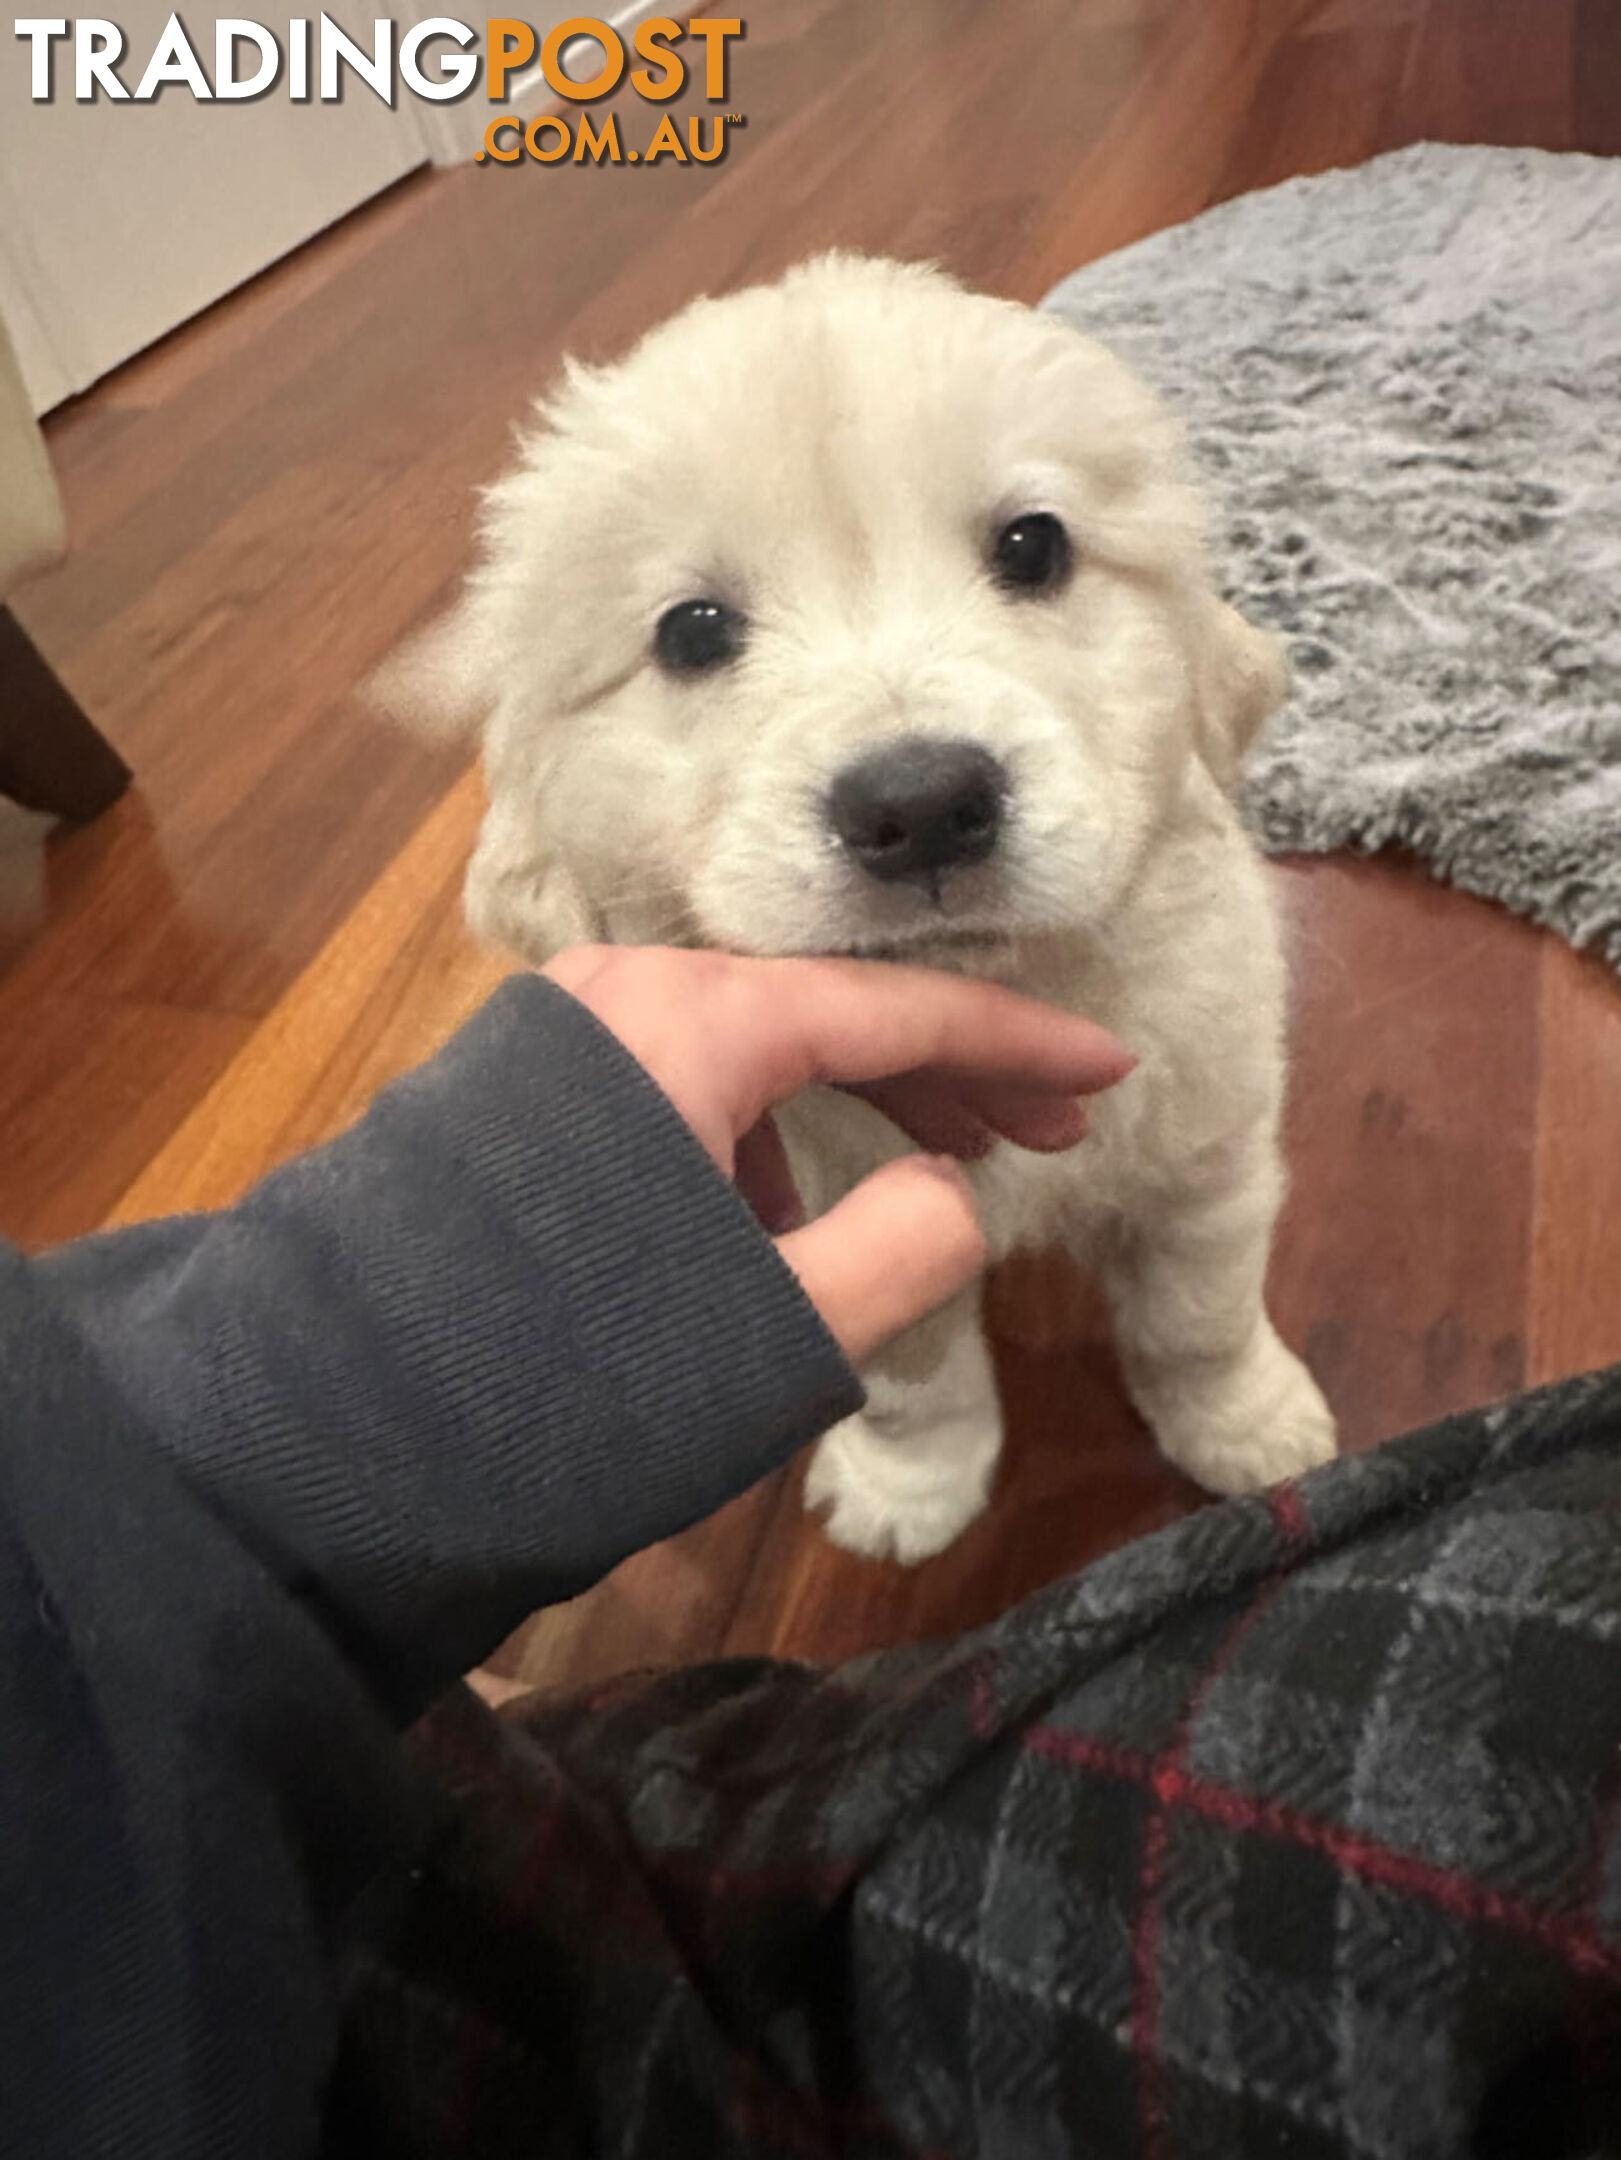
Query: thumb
column 903, row 1242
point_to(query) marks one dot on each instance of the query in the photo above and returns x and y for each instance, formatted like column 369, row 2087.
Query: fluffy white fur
column 833, row 456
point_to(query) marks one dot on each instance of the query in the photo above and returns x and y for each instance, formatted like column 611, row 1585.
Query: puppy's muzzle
column 918, row 807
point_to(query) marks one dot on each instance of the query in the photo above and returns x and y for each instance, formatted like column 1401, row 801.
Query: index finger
column 861, row 1020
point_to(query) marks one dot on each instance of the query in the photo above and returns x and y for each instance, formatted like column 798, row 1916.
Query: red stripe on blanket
column 1571, row 1937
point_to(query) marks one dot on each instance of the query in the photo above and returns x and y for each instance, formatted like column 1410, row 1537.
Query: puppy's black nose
column 919, row 806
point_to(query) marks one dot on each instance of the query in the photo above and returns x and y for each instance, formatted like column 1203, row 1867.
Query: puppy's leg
column 909, row 1473
column 1227, row 1402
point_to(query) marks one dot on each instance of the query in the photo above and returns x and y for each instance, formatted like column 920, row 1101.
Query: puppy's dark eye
column 698, row 635
column 1032, row 554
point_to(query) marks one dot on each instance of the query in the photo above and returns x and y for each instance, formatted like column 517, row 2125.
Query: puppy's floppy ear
column 1240, row 679
column 520, row 894
column 438, row 683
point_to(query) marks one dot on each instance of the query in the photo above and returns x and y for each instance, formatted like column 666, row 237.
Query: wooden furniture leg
column 52, row 756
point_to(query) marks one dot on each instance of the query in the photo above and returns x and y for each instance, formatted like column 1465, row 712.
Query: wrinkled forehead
column 812, row 431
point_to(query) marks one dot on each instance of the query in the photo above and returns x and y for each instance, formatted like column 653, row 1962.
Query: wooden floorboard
column 1574, row 1318
column 229, row 964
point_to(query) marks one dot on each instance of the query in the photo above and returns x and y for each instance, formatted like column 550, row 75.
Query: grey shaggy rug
column 1403, row 386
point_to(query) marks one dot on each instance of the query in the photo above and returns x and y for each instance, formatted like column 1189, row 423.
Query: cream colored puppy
column 861, row 614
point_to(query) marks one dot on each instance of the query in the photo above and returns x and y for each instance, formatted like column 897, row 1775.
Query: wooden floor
column 228, row 964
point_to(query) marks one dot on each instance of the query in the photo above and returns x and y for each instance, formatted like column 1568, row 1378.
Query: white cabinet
column 120, row 220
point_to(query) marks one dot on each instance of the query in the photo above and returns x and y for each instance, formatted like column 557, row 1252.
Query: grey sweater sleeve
column 457, row 1364
column 271, row 1479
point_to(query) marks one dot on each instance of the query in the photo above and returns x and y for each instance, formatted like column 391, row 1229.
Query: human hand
column 953, row 1061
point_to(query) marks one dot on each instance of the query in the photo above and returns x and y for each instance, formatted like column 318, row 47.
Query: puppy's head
column 852, row 614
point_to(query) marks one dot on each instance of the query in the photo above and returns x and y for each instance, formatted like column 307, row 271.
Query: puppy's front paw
column 1241, row 1426
column 909, row 1498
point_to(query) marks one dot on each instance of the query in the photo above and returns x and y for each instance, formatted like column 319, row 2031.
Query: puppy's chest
column 1026, row 1200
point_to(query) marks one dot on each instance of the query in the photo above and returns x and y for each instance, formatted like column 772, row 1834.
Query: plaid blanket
column 1292, row 1831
